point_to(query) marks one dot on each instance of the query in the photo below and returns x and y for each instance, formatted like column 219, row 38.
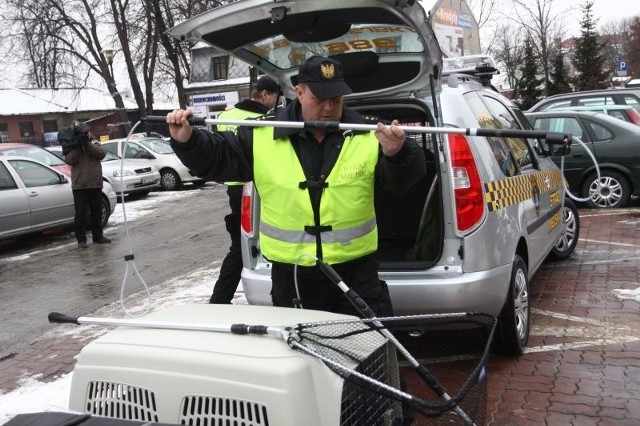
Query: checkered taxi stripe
column 500, row 194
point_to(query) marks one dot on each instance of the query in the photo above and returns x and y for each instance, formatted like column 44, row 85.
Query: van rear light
column 467, row 187
column 246, row 210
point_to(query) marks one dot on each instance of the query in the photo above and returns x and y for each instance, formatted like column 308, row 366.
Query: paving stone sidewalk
column 582, row 366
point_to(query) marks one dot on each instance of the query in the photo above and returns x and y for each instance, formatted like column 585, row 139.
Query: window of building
column 49, row 126
column 4, row 132
column 26, row 132
column 219, row 68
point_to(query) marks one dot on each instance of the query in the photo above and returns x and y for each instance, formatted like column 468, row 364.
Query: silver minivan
column 470, row 235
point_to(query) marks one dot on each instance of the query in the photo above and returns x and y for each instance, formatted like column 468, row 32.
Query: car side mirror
column 146, row 156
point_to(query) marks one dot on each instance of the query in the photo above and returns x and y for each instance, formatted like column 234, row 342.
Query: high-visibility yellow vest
column 346, row 204
column 234, row 114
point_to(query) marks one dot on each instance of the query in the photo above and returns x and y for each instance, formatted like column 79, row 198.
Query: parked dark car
column 589, row 98
column 615, row 145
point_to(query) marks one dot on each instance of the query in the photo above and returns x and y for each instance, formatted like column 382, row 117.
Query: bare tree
column 618, row 42
column 483, row 11
column 61, row 42
column 632, row 47
column 509, row 51
column 542, row 23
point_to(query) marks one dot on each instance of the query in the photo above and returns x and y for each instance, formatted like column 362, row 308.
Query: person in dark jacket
column 86, row 183
column 263, row 98
column 316, row 188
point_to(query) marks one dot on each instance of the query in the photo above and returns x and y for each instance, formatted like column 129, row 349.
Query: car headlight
column 116, row 173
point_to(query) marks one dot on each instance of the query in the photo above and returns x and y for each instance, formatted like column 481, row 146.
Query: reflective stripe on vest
column 346, row 204
column 234, row 114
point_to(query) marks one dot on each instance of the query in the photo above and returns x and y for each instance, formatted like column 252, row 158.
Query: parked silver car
column 130, row 176
column 48, row 158
column 35, row 197
column 471, row 234
column 173, row 174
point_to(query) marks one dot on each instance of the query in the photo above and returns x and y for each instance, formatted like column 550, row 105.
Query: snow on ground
column 35, row 396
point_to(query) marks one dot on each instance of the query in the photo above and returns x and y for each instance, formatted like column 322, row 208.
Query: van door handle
column 33, row 194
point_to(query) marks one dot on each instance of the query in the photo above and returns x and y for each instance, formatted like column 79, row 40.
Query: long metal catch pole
column 551, row 137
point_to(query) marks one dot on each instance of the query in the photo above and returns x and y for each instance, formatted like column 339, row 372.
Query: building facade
column 35, row 115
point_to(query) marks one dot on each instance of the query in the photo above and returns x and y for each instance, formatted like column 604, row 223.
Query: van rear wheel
column 515, row 319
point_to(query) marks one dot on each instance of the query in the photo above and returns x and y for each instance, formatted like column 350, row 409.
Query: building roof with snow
column 55, row 101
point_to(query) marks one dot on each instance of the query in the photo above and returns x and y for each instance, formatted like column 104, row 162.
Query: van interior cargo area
column 410, row 229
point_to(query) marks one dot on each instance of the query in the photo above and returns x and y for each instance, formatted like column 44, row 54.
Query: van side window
column 518, row 148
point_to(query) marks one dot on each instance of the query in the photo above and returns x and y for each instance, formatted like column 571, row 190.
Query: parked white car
column 130, row 176
column 173, row 174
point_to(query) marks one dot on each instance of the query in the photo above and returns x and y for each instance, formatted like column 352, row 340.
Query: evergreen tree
column 530, row 83
column 588, row 59
column 560, row 80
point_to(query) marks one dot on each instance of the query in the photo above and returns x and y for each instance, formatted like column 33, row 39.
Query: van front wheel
column 515, row 319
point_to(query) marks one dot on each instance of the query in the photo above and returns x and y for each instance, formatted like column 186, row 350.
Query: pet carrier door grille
column 361, row 406
column 212, row 411
column 121, row 401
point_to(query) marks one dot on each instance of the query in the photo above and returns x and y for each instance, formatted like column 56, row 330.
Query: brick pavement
column 592, row 375
column 582, row 366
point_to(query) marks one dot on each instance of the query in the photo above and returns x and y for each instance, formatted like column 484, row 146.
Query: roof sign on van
column 472, row 64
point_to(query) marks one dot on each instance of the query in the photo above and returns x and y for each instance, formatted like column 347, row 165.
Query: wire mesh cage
column 439, row 378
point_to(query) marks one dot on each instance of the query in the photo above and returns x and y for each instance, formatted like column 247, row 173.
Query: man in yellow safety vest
column 316, row 188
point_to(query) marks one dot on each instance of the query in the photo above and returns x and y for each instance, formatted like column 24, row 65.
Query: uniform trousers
column 319, row 293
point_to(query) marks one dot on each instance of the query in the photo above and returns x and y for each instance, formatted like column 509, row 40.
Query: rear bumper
column 419, row 292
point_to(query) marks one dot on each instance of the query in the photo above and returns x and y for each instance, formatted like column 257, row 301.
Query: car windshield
column 381, row 39
column 157, row 145
column 36, row 153
column 110, row 157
